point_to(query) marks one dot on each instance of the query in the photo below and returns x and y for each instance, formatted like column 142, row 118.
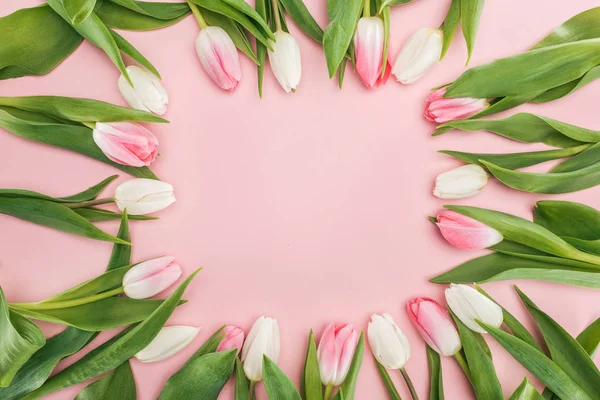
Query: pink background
column 309, row 207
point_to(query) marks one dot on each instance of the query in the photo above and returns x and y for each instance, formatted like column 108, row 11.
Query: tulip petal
column 219, row 57
column 151, row 277
column 461, row 182
column 285, row 60
column 468, row 304
column 368, row 43
column 169, row 341
column 466, row 233
column 420, row 52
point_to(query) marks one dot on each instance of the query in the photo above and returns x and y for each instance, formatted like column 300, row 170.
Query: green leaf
column 569, row 87
column 565, row 351
column 526, row 391
column 160, row 10
column 302, row 17
column 590, row 337
column 121, row 254
column 128, row 49
column 242, row 384
column 582, row 26
column 312, row 389
column 19, row 340
column 387, row 380
column 117, row 384
column 436, row 385
column 261, row 50
column 549, row 183
column 114, row 352
column 528, row 72
column 206, row 374
column 567, row 218
column 34, row 41
column 244, row 8
column 343, row 16
column 99, row 215
column 388, row 3
column 348, row 387
column 56, row 216
column 470, row 11
column 539, row 365
column 277, row 385
column 78, row 10
column 450, row 25
column 141, row 16
column 88, row 194
column 235, row 32
column 585, row 159
column 483, row 374
column 516, row 160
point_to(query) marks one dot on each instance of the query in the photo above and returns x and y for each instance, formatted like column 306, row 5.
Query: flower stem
column 409, row 384
column 252, row 390
column 367, row 9
column 328, row 392
column 276, row 14
column 90, row 203
column 69, row 303
column 463, row 364
column 197, row 14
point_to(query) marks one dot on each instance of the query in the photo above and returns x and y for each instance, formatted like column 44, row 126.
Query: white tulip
column 143, row 196
column 263, row 339
column 147, row 92
column 169, row 341
column 461, row 182
column 420, row 52
column 388, row 343
column 285, row 60
column 468, row 304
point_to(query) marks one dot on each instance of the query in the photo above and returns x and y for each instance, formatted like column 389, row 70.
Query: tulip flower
column 169, row 341
column 151, row 277
column 219, row 57
column 285, row 60
column 142, row 196
column 461, row 182
column 420, row 52
column 468, row 304
column 262, row 340
column 126, row 143
column 368, row 45
column 388, row 343
column 233, row 338
column 466, row 233
column 434, row 325
column 147, row 92
column 335, row 352
column 440, row 109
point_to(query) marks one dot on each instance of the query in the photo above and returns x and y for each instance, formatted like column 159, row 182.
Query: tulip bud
column 126, row 143
column 168, row 342
column 151, row 277
column 388, row 343
column 335, row 352
column 466, row 233
column 285, row 60
column 142, row 196
column 368, row 50
column 434, row 325
column 262, row 340
column 439, row 109
column 420, row 52
column 233, row 339
column 147, row 92
column 468, row 304
column 219, row 57
column 460, row 183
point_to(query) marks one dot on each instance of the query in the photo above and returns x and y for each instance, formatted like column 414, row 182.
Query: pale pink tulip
column 439, row 109
column 434, row 325
column 466, row 233
column 335, row 353
column 233, row 339
column 368, row 45
column 151, row 277
column 126, row 143
column 219, row 57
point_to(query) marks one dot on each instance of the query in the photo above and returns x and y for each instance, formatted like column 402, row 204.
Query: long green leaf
column 582, row 26
column 526, row 391
column 235, row 32
column 242, row 384
column 303, row 19
column 244, row 8
column 348, row 387
column 388, row 382
column 98, row 215
column 585, row 159
column 569, row 87
column 261, row 49
column 470, row 11
column 88, row 194
column 389, row 3
column 450, row 25
column 567, row 218
column 436, row 383
column 132, row 16
column 160, row 10
column 78, row 10
column 34, row 41
column 343, row 16
column 121, row 254
column 590, row 337
column 113, row 353
column 128, row 49
column 312, row 389
column 117, row 384
column 277, row 385
column 19, row 340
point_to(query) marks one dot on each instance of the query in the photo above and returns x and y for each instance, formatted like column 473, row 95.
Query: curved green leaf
column 436, row 385
column 277, row 385
column 160, row 10
column 582, row 160
column 450, row 25
column 141, row 16
column 569, row 87
column 120, row 255
column 302, row 17
column 245, row 8
column 343, row 17
column 242, row 384
column 117, row 384
column 590, row 337
column 526, row 391
column 128, row 49
column 388, row 382
column 34, row 41
column 78, row 10
column 389, row 3
column 261, row 49
column 580, row 27
column 88, row 194
column 312, row 389
column 567, row 218
column 348, row 387
column 470, row 11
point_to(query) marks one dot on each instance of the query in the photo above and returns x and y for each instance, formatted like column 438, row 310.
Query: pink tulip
column 439, row 109
column 466, row 233
column 219, row 57
column 151, row 277
column 233, row 339
column 335, row 352
column 434, row 325
column 126, row 143
column 368, row 43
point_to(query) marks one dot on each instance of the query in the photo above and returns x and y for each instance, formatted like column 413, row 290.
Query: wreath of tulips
column 560, row 245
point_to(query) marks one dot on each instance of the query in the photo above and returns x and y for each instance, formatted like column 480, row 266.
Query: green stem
column 463, row 364
column 276, row 14
column 69, row 303
column 197, row 14
column 90, row 203
column 252, row 390
column 328, row 392
column 367, row 9
column 409, row 384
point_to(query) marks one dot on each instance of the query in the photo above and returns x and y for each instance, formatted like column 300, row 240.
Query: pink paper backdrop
column 309, row 207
